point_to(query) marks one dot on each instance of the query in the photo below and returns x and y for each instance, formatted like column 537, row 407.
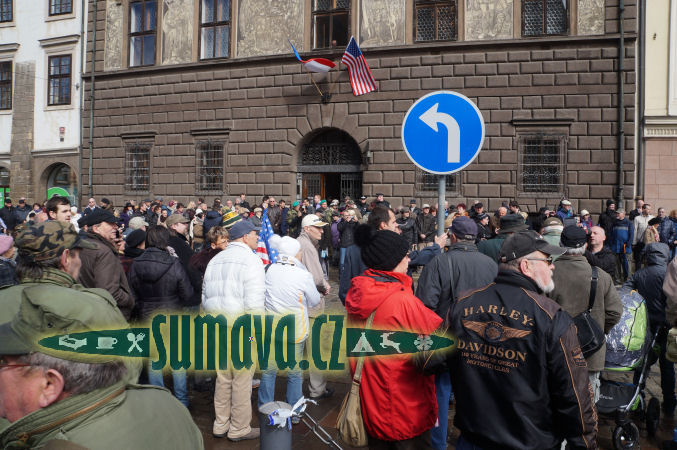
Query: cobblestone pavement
column 327, row 410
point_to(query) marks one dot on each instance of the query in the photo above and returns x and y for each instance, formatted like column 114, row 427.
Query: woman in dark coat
column 160, row 283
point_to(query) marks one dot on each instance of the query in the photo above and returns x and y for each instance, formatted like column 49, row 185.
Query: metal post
column 621, row 103
column 91, row 103
column 441, row 193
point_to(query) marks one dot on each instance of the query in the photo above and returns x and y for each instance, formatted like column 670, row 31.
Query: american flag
column 268, row 255
column 361, row 79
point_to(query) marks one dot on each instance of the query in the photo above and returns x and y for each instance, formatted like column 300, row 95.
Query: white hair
column 580, row 251
column 550, row 228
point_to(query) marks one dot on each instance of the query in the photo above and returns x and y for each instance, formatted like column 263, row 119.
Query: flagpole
column 316, row 86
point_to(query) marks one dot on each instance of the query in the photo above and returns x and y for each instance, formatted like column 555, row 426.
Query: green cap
column 48, row 240
column 295, row 204
column 230, row 218
column 47, row 310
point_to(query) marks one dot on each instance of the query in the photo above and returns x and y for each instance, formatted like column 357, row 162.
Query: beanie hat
column 610, row 202
column 381, row 250
column 135, row 238
column 229, row 219
column 285, row 246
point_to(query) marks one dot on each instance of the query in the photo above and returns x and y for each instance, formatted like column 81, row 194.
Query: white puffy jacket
column 234, row 282
column 290, row 289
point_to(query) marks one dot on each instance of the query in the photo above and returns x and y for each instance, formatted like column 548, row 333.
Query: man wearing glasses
column 519, row 377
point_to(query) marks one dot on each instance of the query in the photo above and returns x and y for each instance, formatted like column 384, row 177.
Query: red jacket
column 398, row 401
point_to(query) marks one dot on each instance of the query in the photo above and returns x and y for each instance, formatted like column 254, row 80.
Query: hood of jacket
column 153, row 264
column 657, row 254
column 369, row 290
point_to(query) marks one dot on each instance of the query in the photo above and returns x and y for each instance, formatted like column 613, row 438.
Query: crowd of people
column 504, row 283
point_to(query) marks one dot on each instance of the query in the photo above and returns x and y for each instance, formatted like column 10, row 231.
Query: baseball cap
column 425, row 205
column 412, row 201
column 573, row 237
column 176, row 218
column 585, row 212
column 524, row 242
column 566, row 202
column 312, row 220
column 241, row 228
column 99, row 215
column 464, row 228
column 363, row 197
column 47, row 240
column 137, row 222
column 43, row 314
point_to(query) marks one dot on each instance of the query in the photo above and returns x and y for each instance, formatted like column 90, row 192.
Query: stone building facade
column 189, row 125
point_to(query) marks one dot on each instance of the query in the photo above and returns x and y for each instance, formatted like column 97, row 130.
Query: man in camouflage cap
column 63, row 399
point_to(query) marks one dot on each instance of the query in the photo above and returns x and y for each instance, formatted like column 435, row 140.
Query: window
column 435, row 20
column 214, row 29
column 137, row 166
column 6, row 11
column 59, row 80
column 331, row 23
column 6, row 85
column 142, row 27
column 209, row 165
column 542, row 163
column 57, row 7
column 543, row 17
column 427, row 183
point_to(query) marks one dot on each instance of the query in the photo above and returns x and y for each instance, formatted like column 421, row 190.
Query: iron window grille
column 331, row 23
column 544, row 17
column 435, row 20
column 59, row 80
column 427, row 183
column 214, row 29
column 58, row 7
column 137, row 166
column 142, row 30
column 542, row 163
column 6, row 85
column 6, row 13
column 209, row 165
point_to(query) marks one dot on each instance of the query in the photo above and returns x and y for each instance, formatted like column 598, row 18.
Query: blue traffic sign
column 443, row 132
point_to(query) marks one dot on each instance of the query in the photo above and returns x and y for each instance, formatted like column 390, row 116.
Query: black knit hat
column 381, row 250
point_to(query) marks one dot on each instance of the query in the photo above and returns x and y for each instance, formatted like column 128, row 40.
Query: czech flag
column 319, row 65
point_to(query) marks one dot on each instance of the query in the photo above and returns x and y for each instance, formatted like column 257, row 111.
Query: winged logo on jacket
column 494, row 331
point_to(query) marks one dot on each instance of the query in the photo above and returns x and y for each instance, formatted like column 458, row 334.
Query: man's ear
column 63, row 259
column 52, row 388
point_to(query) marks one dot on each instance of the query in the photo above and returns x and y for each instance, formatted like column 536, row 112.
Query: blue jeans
column 179, row 378
column 342, row 258
column 294, row 380
column 443, row 393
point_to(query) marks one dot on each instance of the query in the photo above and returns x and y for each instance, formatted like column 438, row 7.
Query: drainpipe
column 621, row 103
column 91, row 102
column 83, row 46
column 641, row 144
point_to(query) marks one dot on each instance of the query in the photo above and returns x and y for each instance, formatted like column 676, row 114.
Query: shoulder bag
column 590, row 334
column 350, row 424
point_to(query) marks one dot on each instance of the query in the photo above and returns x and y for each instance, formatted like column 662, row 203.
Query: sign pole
column 441, row 193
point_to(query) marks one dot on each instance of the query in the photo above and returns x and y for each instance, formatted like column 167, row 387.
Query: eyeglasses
column 548, row 260
column 4, row 364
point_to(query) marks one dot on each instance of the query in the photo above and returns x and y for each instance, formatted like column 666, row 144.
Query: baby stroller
column 629, row 349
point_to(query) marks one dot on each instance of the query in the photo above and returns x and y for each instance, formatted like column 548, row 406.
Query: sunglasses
column 548, row 260
column 4, row 364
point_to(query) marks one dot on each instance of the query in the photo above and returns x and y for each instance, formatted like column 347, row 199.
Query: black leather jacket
column 519, row 376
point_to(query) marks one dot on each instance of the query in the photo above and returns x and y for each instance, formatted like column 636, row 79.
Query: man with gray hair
column 572, row 293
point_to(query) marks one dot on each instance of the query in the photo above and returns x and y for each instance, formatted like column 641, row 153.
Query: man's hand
column 441, row 240
column 422, row 236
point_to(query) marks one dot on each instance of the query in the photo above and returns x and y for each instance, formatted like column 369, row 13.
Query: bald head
column 597, row 238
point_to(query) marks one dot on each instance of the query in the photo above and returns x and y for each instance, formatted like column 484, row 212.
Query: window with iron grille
column 427, row 183
column 214, row 29
column 209, row 165
column 6, row 14
column 137, row 166
column 59, row 80
column 435, row 20
column 6, row 85
column 544, row 17
column 142, row 30
column 57, row 7
column 331, row 23
column 542, row 163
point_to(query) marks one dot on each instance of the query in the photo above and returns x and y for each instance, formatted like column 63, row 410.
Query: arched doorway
column 4, row 184
column 330, row 164
column 61, row 180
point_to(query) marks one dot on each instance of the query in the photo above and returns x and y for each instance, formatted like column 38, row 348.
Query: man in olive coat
column 572, row 280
